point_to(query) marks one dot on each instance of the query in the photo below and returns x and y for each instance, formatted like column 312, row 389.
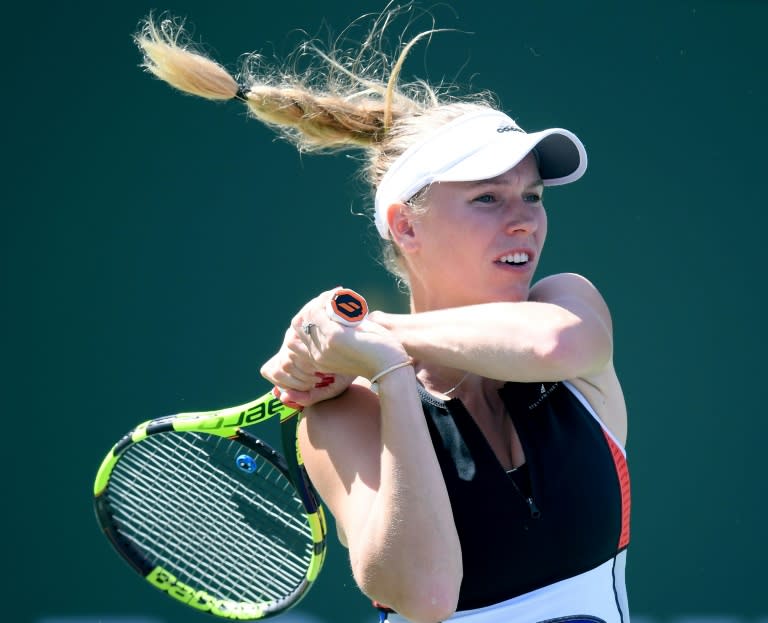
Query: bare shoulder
column 564, row 281
column 340, row 445
column 601, row 389
column 570, row 288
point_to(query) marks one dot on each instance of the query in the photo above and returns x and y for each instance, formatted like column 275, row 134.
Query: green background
column 155, row 246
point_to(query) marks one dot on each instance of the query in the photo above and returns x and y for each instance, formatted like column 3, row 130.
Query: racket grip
column 347, row 307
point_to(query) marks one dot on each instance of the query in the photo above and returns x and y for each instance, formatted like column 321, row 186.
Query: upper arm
column 340, row 446
column 589, row 341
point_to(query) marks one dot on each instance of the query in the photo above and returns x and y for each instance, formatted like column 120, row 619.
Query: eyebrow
column 495, row 181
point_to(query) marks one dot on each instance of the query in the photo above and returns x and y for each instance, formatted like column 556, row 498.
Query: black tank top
column 564, row 513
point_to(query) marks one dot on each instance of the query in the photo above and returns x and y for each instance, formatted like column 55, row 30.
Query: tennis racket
column 210, row 514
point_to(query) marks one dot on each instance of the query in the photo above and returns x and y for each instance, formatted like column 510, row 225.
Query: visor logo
column 508, row 128
column 576, row 618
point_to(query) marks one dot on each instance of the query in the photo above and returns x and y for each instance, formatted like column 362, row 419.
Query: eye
column 532, row 197
column 485, row 198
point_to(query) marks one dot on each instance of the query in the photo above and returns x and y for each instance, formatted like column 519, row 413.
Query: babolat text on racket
column 210, row 514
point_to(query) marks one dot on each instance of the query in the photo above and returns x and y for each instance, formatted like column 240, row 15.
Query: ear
column 400, row 221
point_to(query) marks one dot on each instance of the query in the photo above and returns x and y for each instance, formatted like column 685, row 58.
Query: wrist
column 408, row 362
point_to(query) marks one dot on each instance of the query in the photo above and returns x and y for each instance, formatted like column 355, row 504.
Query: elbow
column 425, row 598
column 440, row 606
column 571, row 353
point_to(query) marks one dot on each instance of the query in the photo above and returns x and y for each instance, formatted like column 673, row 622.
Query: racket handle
column 347, row 307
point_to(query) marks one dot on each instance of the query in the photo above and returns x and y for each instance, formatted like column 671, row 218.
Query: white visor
column 477, row 146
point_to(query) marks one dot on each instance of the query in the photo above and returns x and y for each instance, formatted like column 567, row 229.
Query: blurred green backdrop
column 155, row 245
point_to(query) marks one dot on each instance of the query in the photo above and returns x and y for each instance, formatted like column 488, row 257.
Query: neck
column 444, row 381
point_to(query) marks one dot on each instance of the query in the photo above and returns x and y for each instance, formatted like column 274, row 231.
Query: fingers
column 310, row 330
column 312, row 324
column 322, row 391
column 293, row 367
column 320, row 356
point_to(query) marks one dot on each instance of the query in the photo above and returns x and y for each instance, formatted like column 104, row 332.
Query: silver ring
column 307, row 327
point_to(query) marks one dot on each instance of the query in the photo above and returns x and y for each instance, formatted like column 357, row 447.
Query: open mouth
column 519, row 258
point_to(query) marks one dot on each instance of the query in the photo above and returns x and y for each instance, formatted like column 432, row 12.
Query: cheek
column 543, row 227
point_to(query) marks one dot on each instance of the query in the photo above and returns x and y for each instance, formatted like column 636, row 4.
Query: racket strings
column 196, row 519
column 217, row 531
column 183, row 502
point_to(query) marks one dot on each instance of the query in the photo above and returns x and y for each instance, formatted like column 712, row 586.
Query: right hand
column 298, row 380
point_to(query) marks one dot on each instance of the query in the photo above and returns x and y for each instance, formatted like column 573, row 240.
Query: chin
column 517, row 295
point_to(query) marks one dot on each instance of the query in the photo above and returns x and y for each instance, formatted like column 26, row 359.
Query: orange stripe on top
column 622, row 471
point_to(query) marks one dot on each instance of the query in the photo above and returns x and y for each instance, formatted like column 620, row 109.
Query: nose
column 520, row 219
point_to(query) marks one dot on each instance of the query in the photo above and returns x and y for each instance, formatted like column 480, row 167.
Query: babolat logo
column 201, row 600
column 258, row 412
column 508, row 128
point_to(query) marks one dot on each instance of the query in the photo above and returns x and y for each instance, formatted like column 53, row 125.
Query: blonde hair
column 351, row 102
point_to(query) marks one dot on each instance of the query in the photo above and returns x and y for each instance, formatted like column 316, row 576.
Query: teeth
column 514, row 258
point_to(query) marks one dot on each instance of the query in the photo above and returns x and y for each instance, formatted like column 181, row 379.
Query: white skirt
column 596, row 596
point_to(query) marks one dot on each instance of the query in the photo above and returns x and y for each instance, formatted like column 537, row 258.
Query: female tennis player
column 470, row 451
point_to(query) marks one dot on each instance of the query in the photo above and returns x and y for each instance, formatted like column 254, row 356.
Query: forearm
column 406, row 554
column 526, row 341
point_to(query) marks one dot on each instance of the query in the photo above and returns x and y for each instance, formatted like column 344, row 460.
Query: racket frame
column 346, row 307
column 227, row 423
